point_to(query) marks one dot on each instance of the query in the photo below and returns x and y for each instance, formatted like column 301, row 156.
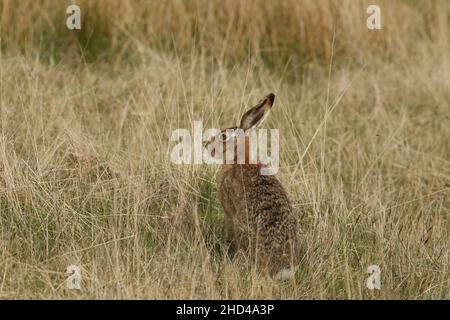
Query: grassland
column 86, row 118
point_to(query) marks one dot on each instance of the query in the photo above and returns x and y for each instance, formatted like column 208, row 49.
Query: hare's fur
column 259, row 209
column 261, row 216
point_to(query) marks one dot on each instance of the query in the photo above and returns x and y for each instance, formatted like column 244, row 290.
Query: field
column 86, row 118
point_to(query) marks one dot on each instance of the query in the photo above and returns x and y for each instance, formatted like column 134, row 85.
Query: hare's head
column 233, row 145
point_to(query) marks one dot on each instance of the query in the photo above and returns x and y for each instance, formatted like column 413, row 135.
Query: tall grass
column 86, row 117
column 274, row 31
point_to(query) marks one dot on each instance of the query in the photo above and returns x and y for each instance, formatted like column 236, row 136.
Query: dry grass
column 85, row 176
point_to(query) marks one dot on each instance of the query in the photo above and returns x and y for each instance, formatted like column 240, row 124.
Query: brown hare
column 257, row 205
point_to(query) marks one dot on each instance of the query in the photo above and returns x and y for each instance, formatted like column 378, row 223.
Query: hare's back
column 245, row 192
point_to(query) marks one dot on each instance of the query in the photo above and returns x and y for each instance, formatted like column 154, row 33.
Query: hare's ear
column 256, row 115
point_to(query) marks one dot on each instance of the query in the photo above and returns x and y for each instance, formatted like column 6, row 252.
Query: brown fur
column 258, row 207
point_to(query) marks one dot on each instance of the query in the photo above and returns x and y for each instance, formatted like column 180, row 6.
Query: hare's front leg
column 232, row 233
